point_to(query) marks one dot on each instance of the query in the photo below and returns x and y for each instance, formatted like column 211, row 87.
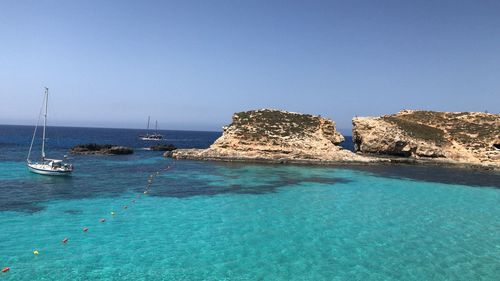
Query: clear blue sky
column 191, row 64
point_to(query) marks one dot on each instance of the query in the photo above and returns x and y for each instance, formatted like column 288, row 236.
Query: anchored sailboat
column 154, row 137
column 46, row 166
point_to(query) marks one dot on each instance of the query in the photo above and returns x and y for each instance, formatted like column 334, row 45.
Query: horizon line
column 113, row 128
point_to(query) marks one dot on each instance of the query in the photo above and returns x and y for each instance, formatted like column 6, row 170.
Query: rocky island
column 275, row 136
column 463, row 137
column 409, row 136
column 100, row 149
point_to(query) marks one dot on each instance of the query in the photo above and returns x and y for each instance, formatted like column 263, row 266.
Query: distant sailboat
column 47, row 166
column 151, row 137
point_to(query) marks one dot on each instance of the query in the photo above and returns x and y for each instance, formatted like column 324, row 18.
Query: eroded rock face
column 274, row 134
column 461, row 136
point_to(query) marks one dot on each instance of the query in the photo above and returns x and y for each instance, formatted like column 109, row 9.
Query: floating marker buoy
column 102, row 220
column 65, row 240
column 125, row 207
column 112, row 213
column 85, row 229
column 5, row 269
column 35, row 252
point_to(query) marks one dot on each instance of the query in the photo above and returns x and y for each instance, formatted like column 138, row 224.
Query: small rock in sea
column 163, row 147
column 100, row 149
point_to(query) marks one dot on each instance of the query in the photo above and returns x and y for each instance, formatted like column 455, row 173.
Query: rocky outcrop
column 274, row 135
column 101, row 149
column 163, row 147
column 467, row 137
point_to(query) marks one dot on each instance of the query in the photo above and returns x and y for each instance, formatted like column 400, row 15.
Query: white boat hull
column 151, row 139
column 48, row 172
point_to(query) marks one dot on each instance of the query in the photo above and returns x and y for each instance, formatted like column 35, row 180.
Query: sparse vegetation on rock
column 275, row 135
column 460, row 136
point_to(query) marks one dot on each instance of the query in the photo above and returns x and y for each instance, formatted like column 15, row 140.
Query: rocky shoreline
column 274, row 136
column 368, row 159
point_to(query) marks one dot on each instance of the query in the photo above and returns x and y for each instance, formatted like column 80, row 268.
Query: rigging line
column 36, row 127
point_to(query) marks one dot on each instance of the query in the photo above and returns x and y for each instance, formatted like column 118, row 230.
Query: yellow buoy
column 35, row 252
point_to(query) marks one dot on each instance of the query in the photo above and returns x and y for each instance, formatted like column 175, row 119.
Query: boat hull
column 151, row 139
column 49, row 172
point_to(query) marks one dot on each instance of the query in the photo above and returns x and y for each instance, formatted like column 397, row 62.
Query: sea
column 146, row 217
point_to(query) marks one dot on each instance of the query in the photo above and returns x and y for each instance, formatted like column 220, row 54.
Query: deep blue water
column 232, row 221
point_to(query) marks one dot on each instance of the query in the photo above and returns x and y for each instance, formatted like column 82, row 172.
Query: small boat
column 46, row 166
column 152, row 137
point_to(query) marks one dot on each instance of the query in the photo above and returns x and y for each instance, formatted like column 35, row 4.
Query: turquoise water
column 216, row 221
column 325, row 224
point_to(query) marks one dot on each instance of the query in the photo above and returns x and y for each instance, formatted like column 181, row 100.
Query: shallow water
column 217, row 221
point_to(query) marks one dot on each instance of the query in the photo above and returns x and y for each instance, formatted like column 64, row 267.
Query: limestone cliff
column 275, row 135
column 469, row 137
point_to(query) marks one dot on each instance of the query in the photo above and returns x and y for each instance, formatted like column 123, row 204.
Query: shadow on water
column 215, row 178
column 187, row 179
column 427, row 173
column 238, row 179
column 437, row 174
column 115, row 176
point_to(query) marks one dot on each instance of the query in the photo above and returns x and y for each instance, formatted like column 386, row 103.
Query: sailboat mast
column 156, row 127
column 45, row 121
column 147, row 131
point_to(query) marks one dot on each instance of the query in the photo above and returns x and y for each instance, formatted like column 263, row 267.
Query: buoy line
column 103, row 220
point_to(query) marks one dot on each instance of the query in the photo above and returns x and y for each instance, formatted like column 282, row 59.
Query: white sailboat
column 47, row 166
column 151, row 137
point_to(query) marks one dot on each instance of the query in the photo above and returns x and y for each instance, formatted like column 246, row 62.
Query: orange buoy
column 5, row 269
column 85, row 229
column 65, row 240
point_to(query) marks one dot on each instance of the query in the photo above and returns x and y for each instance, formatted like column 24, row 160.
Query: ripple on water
column 255, row 222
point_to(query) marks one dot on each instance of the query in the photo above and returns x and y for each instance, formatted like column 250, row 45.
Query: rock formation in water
column 101, row 149
column 275, row 135
column 163, row 147
column 468, row 137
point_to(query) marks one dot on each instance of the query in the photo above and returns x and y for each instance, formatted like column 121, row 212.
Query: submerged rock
column 102, row 149
column 274, row 135
column 468, row 137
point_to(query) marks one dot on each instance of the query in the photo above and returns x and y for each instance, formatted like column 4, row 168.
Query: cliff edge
column 275, row 135
column 465, row 137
